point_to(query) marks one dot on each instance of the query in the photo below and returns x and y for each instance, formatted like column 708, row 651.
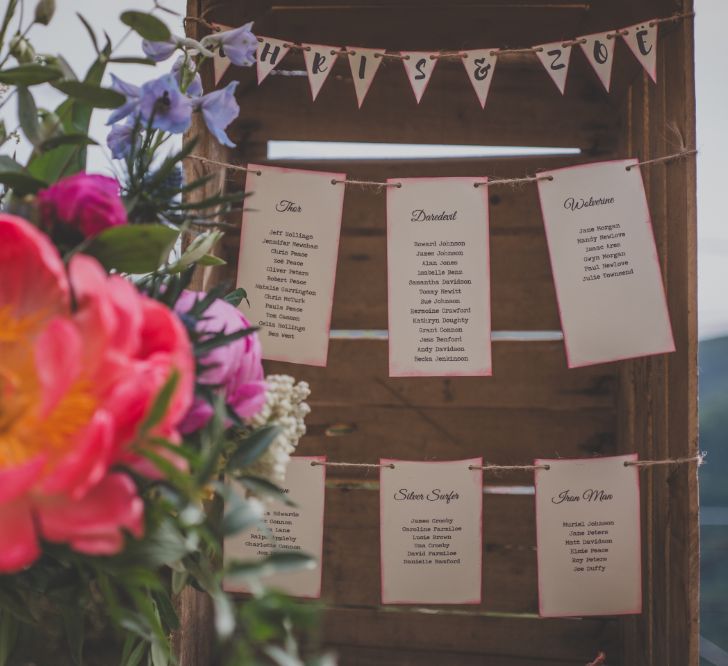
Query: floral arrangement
column 126, row 397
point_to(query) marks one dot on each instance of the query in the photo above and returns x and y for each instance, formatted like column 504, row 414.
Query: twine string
column 226, row 165
column 317, row 463
column 667, row 158
column 698, row 458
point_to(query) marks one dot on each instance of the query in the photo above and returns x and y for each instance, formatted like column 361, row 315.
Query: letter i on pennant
column 319, row 63
column 599, row 51
column 480, row 66
column 364, row 65
column 555, row 58
column 270, row 52
column 419, row 66
column 642, row 41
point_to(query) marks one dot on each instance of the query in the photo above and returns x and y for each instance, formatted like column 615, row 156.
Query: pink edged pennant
column 555, row 58
column 268, row 55
column 419, row 66
column 480, row 66
column 599, row 51
column 642, row 41
column 364, row 64
column 320, row 61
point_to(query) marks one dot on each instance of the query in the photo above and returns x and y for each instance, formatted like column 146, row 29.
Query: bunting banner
column 598, row 48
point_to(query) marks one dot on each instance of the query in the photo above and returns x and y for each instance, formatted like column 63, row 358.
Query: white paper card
column 480, row 66
column 431, row 532
column 555, row 58
column 364, row 64
column 269, row 54
column 605, row 263
column 588, row 537
column 419, row 67
column 439, row 278
column 289, row 244
column 319, row 61
column 642, row 41
column 288, row 529
column 599, row 51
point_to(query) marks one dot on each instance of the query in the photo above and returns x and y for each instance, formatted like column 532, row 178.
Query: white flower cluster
column 285, row 407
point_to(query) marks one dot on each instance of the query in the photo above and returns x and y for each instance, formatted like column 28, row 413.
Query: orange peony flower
column 82, row 357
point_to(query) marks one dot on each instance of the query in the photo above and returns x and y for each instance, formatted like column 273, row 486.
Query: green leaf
column 211, row 260
column 67, row 140
column 131, row 60
column 29, row 75
column 236, row 297
column 73, row 626
column 276, row 562
column 9, row 164
column 254, row 446
column 265, row 488
column 138, row 248
column 133, row 652
column 90, row 94
column 8, row 637
column 161, row 403
column 239, row 514
column 146, row 25
column 90, row 31
column 9, row 13
column 196, row 250
column 21, row 183
column 179, row 581
column 28, row 115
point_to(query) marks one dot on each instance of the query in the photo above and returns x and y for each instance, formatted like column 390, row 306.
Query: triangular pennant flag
column 364, row 65
column 642, row 41
column 480, row 65
column 599, row 51
column 269, row 54
column 319, row 63
column 555, row 58
column 220, row 62
column 419, row 66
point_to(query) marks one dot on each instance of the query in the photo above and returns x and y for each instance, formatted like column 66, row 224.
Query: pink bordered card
column 604, row 262
column 438, row 273
column 289, row 245
column 588, row 536
column 431, row 539
column 294, row 528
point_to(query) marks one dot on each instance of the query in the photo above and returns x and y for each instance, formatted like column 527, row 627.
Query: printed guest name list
column 288, row 251
column 439, row 278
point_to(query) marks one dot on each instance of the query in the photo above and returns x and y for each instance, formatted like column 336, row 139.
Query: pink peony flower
column 236, row 368
column 75, row 385
column 88, row 203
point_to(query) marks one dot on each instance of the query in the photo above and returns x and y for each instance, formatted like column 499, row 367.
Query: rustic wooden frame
column 646, row 405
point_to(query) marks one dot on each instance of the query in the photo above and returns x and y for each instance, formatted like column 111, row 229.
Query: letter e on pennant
column 364, row 64
column 480, row 65
column 555, row 58
column 642, row 41
column 269, row 53
column 320, row 61
column 419, row 66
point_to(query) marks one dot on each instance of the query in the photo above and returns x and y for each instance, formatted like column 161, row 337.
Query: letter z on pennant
column 555, row 58
column 269, row 53
column 419, row 66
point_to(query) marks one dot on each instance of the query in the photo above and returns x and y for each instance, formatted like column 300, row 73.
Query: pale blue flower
column 194, row 89
column 239, row 45
column 219, row 109
column 119, row 139
column 165, row 106
column 158, row 51
column 132, row 94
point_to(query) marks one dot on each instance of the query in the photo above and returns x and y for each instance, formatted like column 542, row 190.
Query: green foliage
column 29, row 75
column 147, row 26
column 90, row 94
column 140, row 248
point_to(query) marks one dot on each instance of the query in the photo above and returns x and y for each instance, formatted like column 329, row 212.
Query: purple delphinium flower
column 239, row 45
column 119, row 139
column 219, row 109
column 158, row 51
column 194, row 89
column 132, row 94
column 165, row 106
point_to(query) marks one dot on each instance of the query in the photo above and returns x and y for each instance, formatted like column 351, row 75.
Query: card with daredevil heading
column 431, row 539
column 604, row 262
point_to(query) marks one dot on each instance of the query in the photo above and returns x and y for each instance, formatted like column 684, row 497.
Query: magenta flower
column 219, row 109
column 88, row 203
column 235, row 369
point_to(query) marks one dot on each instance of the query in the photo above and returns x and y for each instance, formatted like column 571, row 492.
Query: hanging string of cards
column 431, row 528
column 600, row 240
column 479, row 64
